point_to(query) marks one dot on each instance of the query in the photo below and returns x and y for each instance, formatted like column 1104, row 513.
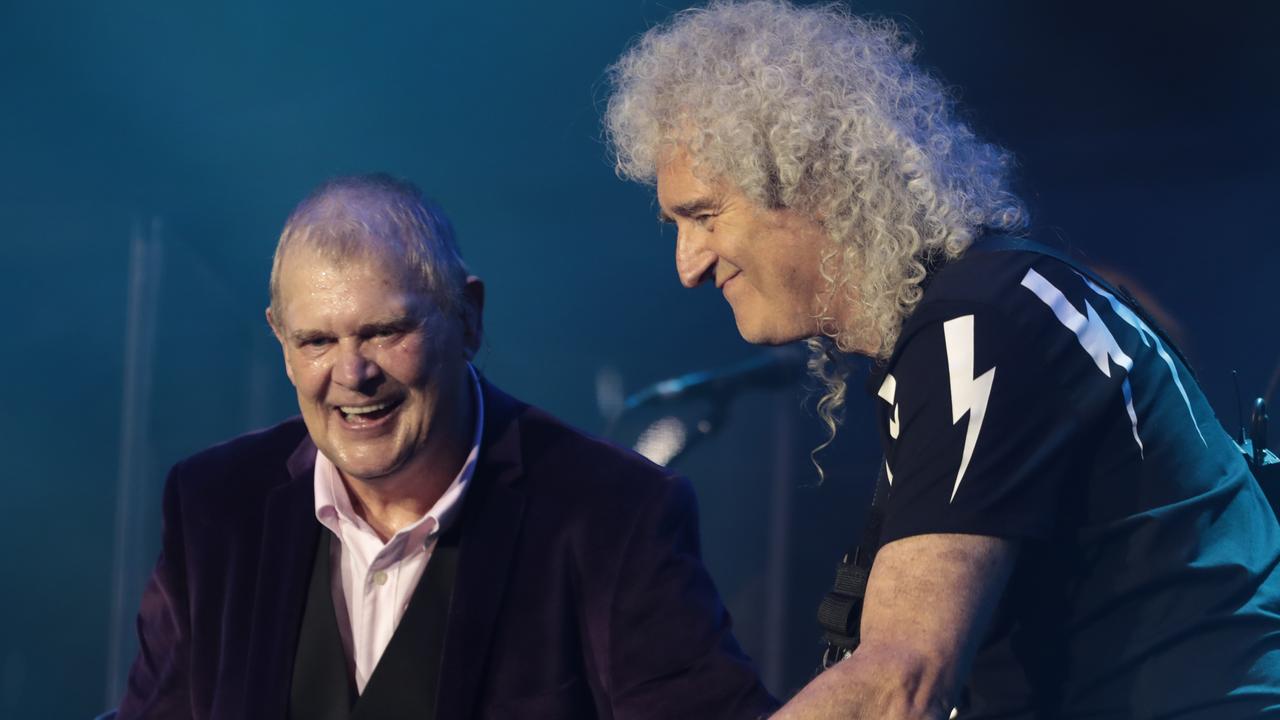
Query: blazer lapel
column 288, row 548
column 490, row 525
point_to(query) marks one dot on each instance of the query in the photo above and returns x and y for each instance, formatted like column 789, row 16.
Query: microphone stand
column 718, row 388
column 709, row 425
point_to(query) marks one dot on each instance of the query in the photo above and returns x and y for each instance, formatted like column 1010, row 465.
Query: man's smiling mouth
column 358, row 415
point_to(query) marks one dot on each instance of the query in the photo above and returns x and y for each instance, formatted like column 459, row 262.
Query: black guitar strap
column 841, row 608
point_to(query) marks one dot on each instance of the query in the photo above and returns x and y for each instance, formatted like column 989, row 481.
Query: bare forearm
column 870, row 685
column 915, row 650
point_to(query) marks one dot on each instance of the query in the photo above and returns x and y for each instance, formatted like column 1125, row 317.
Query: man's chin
column 369, row 474
column 766, row 336
column 370, row 466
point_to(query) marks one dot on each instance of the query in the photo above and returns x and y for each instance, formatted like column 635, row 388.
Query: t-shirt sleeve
column 979, row 437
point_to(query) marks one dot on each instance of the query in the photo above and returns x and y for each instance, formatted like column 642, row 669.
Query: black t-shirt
column 1025, row 402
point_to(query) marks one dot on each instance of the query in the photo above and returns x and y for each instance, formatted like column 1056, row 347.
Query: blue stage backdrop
column 150, row 151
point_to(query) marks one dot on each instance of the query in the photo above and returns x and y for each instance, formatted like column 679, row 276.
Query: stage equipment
column 668, row 439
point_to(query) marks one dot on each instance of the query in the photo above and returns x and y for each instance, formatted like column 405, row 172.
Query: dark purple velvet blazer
column 580, row 590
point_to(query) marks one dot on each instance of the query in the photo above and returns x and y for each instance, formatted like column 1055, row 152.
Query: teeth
column 363, row 409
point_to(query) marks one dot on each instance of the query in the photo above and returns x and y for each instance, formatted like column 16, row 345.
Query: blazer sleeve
column 672, row 650
column 158, row 685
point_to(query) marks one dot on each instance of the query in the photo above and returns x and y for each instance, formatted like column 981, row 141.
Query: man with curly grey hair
column 1065, row 530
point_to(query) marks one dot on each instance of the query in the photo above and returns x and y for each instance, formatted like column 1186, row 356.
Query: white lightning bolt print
column 1148, row 338
column 969, row 394
column 888, row 391
column 1093, row 336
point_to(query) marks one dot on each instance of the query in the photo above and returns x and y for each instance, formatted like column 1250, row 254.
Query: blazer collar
column 490, row 526
column 289, row 537
column 302, row 461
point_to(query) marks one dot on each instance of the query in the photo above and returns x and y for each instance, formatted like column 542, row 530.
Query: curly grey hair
column 815, row 109
column 362, row 216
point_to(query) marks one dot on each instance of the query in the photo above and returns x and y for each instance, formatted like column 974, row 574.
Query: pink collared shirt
column 374, row 581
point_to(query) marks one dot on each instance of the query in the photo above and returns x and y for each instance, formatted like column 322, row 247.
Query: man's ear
column 472, row 315
column 271, row 322
column 278, row 330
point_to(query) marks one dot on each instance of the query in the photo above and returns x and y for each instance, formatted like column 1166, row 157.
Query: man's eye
column 704, row 218
column 316, row 342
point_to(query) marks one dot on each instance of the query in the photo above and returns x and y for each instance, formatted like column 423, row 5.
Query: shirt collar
column 333, row 504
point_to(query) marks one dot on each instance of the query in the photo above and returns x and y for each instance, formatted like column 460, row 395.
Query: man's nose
column 694, row 260
column 353, row 368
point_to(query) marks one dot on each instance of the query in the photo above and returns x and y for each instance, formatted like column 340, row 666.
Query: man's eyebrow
column 688, row 209
column 300, row 337
column 394, row 325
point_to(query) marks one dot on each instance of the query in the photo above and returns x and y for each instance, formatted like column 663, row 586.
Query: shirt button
column 380, row 577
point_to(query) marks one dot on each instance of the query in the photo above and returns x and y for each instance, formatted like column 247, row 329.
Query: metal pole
column 129, row 567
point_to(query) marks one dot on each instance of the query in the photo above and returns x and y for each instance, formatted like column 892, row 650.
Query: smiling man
column 420, row 544
column 1064, row 530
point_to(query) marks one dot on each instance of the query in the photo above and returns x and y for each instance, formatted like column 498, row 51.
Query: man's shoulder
column 999, row 285
column 592, row 493
column 988, row 276
column 244, row 465
column 562, row 446
column 251, row 450
column 559, row 457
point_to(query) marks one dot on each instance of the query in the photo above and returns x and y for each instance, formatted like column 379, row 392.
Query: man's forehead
column 354, row 251
column 311, row 271
column 679, row 180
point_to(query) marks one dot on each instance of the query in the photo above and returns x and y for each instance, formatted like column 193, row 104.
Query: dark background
column 1146, row 134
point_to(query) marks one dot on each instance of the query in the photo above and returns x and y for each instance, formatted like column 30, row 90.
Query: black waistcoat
column 404, row 683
